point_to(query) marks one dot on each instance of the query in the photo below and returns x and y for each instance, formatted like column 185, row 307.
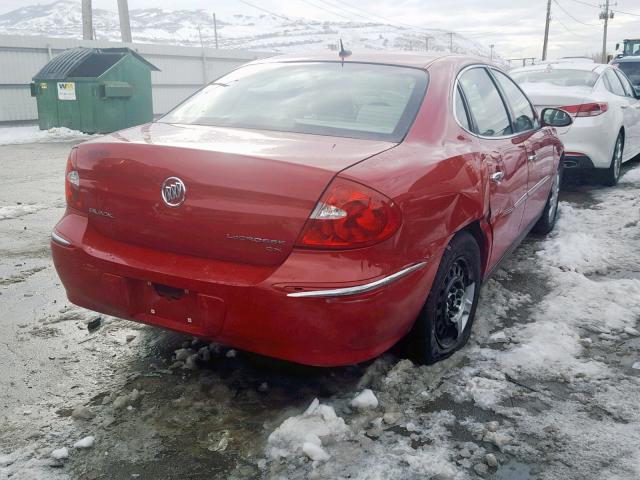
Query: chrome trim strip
column 533, row 189
column 59, row 239
column 524, row 196
column 340, row 292
column 520, row 200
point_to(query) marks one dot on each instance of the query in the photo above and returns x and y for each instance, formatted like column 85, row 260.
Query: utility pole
column 204, row 57
column 605, row 15
column 215, row 30
column 426, row 42
column 450, row 41
column 87, row 20
column 546, row 32
column 125, row 23
column 492, row 45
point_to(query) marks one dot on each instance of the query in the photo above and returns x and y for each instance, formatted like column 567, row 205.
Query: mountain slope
column 252, row 32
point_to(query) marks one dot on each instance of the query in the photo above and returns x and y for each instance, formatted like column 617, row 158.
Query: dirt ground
column 547, row 388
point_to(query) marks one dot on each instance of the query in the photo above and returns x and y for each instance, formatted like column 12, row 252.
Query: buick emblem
column 174, row 192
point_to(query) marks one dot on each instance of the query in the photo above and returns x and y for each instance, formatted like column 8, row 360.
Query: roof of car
column 629, row 59
column 385, row 58
column 586, row 66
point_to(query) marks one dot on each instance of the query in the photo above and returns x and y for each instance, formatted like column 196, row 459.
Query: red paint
column 248, row 191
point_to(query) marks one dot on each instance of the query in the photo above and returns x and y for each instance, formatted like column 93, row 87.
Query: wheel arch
column 481, row 232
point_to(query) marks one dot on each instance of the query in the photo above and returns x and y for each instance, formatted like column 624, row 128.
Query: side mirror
column 617, row 46
column 554, row 117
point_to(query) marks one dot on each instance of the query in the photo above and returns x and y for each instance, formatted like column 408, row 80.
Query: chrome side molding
column 367, row 287
column 59, row 239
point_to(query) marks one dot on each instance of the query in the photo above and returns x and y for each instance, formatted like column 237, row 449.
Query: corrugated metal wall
column 182, row 69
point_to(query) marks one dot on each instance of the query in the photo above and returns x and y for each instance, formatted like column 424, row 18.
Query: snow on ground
column 547, row 387
column 551, row 371
column 15, row 211
column 33, row 134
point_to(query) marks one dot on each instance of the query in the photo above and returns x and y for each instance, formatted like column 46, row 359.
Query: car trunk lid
column 551, row 96
column 248, row 193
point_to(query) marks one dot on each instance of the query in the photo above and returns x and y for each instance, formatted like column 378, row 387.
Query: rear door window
column 461, row 111
column 524, row 117
column 485, row 104
column 612, row 82
column 626, row 84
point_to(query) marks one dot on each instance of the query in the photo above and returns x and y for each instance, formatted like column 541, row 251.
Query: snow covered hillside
column 246, row 29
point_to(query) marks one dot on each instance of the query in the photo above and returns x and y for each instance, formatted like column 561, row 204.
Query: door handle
column 624, row 107
column 497, row 177
column 533, row 157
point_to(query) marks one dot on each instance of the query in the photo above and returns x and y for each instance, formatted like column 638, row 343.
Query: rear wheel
column 550, row 213
column 444, row 324
column 612, row 174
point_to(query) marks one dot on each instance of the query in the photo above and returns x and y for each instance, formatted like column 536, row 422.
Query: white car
column 606, row 127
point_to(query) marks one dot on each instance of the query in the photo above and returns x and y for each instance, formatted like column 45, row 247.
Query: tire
column 547, row 220
column 451, row 304
column 612, row 174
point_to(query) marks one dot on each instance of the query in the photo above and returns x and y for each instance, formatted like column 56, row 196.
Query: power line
column 587, row 4
column 569, row 30
column 386, row 20
column 349, row 12
column 308, row 2
column 264, row 10
column 627, row 13
column 572, row 17
column 593, row 5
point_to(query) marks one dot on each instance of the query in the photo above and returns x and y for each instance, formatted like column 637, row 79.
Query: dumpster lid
column 85, row 62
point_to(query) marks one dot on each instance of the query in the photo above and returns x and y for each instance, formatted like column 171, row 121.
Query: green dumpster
column 94, row 90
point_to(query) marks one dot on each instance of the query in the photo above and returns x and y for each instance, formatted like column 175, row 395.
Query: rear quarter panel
column 436, row 175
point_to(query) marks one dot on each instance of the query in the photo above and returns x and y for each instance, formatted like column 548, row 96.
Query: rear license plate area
column 181, row 309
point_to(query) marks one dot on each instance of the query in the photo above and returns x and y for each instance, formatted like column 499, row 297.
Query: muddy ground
column 547, row 387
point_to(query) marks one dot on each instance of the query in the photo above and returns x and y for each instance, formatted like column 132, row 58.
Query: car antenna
column 343, row 53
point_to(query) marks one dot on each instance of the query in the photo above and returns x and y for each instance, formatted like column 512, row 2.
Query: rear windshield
column 355, row 100
column 632, row 70
column 559, row 77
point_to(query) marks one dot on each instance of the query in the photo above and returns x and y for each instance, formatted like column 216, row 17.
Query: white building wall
column 182, row 69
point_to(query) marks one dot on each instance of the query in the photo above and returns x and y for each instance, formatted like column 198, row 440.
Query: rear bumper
column 578, row 162
column 589, row 142
column 277, row 312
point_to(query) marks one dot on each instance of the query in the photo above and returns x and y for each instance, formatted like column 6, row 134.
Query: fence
column 182, row 69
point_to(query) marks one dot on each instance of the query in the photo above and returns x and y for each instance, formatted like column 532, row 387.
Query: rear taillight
column 72, row 182
column 350, row 215
column 586, row 109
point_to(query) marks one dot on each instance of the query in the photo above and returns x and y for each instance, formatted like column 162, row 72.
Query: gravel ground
column 547, row 387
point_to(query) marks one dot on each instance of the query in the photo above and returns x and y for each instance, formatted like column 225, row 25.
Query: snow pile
column 631, row 177
column 60, row 453
column 315, row 452
column 15, row 211
column 32, row 134
column 551, row 368
column 319, row 422
column 572, row 246
column 365, row 400
column 86, row 442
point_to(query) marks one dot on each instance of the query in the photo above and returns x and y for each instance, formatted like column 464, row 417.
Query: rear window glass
column 325, row 98
column 632, row 70
column 562, row 77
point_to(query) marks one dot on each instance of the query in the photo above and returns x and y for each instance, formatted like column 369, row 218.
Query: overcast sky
column 516, row 27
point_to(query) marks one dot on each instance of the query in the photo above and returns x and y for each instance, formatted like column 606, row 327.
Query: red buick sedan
column 312, row 209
